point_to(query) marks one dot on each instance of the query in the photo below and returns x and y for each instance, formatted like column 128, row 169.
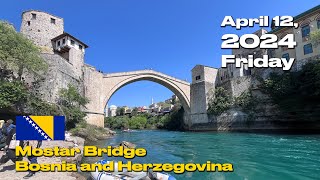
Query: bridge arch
column 99, row 88
column 118, row 80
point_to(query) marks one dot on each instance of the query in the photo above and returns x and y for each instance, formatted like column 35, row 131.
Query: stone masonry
column 66, row 66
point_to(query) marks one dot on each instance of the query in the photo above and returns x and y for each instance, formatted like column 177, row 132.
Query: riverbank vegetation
column 170, row 121
column 222, row 101
column 296, row 93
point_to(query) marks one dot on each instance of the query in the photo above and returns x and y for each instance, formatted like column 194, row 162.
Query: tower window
column 307, row 49
column 63, row 41
column 80, row 47
column 28, row 22
column 58, row 43
column 34, row 16
column 198, row 77
column 318, row 23
column 53, row 21
column 72, row 42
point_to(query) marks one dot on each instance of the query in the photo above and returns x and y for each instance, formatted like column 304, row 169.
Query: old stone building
column 309, row 21
column 63, row 52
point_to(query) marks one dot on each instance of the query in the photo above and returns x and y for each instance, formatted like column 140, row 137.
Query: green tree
column 71, row 102
column 70, row 97
column 138, row 122
column 118, row 122
column 220, row 102
column 19, row 53
column 12, row 94
column 296, row 93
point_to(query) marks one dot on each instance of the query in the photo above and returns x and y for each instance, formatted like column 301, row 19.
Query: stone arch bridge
column 99, row 88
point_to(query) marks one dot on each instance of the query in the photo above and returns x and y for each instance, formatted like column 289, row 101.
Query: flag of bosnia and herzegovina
column 40, row 128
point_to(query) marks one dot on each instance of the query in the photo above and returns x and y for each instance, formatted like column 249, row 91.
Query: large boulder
column 127, row 144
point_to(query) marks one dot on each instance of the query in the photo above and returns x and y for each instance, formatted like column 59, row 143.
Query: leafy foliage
column 245, row 101
column 39, row 107
column 71, row 103
column 297, row 93
column 19, row 53
column 90, row 132
column 117, row 122
column 315, row 37
column 12, row 94
column 172, row 121
column 220, row 102
column 137, row 122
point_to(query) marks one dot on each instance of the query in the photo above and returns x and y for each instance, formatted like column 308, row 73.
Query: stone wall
column 59, row 75
column 40, row 29
column 238, row 85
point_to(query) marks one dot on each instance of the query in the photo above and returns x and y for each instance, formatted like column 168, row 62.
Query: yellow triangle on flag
column 45, row 123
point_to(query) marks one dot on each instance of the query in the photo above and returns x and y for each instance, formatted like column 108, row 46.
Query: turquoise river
column 254, row 156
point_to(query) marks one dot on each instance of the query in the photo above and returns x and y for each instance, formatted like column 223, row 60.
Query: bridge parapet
column 139, row 72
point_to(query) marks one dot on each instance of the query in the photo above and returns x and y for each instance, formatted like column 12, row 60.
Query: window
column 286, row 55
column 198, row 77
column 305, row 31
column 318, row 23
column 63, row 41
column 307, row 49
column 34, row 16
column 72, row 42
column 53, row 21
column 58, row 43
column 28, row 22
column 80, row 47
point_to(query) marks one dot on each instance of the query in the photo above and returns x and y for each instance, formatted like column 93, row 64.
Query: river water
column 254, row 156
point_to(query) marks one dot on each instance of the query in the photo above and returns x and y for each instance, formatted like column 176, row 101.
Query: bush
column 118, row 122
column 71, row 103
column 90, row 132
column 137, row 122
column 245, row 101
column 172, row 121
column 220, row 102
column 297, row 93
column 12, row 94
column 36, row 106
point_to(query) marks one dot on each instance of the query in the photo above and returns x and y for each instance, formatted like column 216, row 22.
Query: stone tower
column 203, row 82
column 47, row 32
column 41, row 27
column 63, row 52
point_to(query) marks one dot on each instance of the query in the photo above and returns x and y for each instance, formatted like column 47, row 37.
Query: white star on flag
column 37, row 127
column 30, row 122
column 42, row 134
column 45, row 137
column 33, row 124
column 27, row 118
column 39, row 130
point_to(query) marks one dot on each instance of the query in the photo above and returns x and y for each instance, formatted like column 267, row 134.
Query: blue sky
column 170, row 36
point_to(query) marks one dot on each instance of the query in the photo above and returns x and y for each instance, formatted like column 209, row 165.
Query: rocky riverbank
column 7, row 170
